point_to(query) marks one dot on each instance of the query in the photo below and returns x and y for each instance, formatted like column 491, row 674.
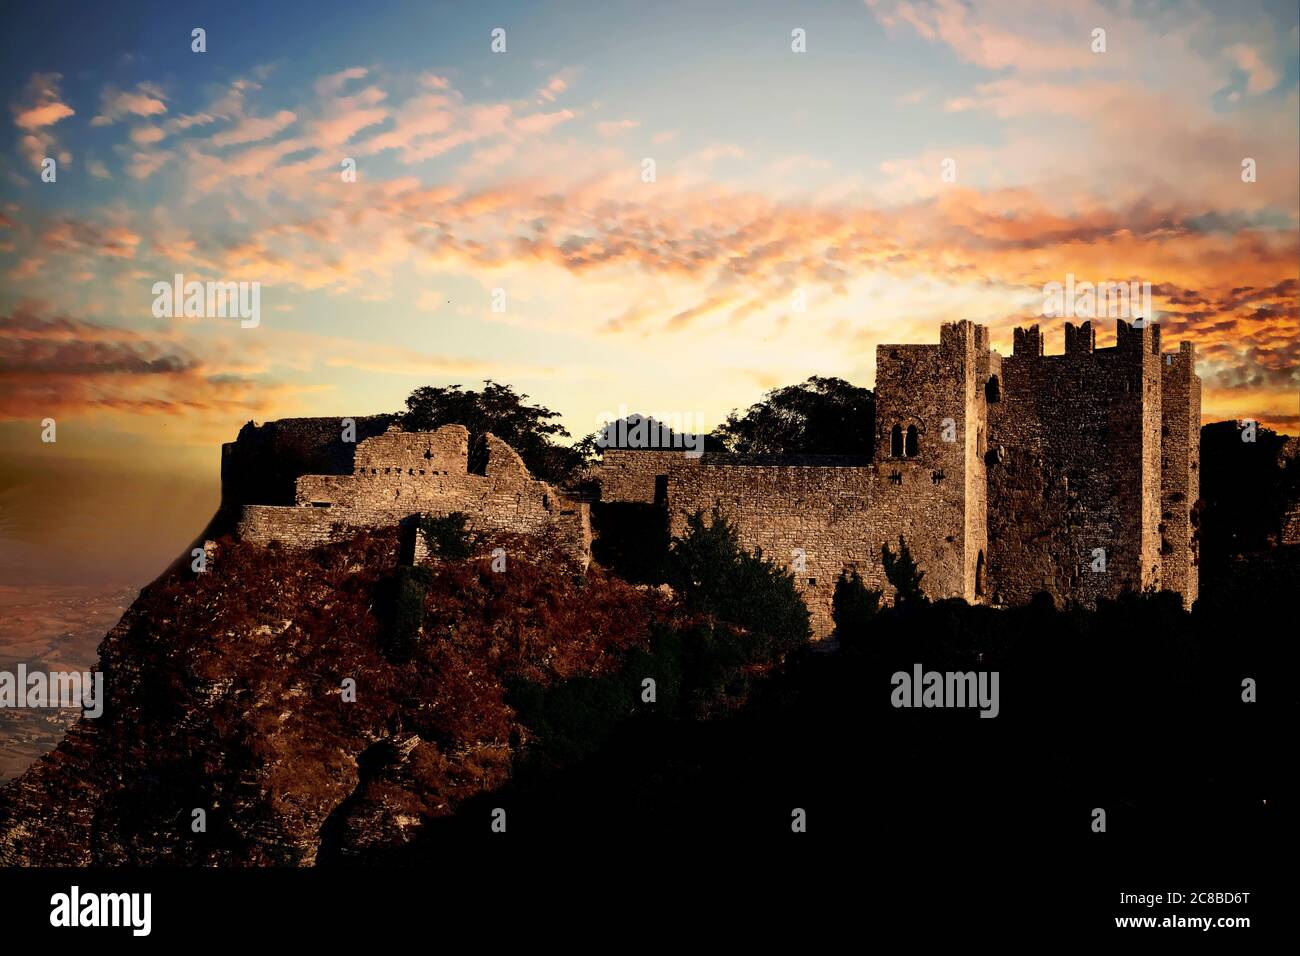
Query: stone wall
column 940, row 391
column 825, row 517
column 1093, row 418
column 1288, row 458
column 835, row 517
column 399, row 476
column 1033, row 522
column 1050, row 458
column 634, row 476
column 262, row 465
column 840, row 512
column 1180, row 479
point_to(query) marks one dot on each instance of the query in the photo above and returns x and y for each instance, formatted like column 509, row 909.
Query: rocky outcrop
column 256, row 712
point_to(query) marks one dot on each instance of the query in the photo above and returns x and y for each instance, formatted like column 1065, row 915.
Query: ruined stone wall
column 399, row 476
column 630, row 476
column 1093, row 418
column 445, row 450
column 295, row 528
column 262, row 465
column 1180, row 473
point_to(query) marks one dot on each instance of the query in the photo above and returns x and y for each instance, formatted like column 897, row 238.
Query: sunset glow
column 776, row 173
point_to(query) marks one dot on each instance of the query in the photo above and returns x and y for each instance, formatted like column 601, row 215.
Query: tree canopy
column 1247, row 489
column 530, row 430
column 820, row 416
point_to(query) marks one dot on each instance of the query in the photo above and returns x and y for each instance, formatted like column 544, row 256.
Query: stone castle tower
column 1072, row 474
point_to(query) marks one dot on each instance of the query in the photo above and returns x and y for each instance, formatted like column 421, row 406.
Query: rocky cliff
column 227, row 704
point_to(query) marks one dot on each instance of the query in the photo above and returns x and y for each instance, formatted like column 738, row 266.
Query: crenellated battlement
column 1027, row 342
column 1073, row 474
column 1138, row 337
column 1070, row 474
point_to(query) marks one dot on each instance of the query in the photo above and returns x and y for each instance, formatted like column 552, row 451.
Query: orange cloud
column 145, row 100
column 59, row 365
column 41, row 107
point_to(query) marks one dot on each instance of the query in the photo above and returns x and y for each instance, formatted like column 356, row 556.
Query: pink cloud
column 254, row 128
column 1260, row 75
column 610, row 128
column 543, row 122
column 42, row 104
column 145, row 100
column 994, row 38
column 333, row 84
column 144, row 135
column 556, row 84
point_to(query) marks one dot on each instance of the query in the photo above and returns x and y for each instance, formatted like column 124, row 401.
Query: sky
column 915, row 163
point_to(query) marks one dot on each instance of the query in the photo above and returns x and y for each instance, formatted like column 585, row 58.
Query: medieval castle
column 1073, row 474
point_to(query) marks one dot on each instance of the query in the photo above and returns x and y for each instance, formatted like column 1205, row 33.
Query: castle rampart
column 1180, row 466
column 1090, row 420
column 1006, row 476
column 1074, row 474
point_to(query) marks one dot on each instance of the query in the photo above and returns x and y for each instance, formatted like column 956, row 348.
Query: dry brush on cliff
column 226, row 695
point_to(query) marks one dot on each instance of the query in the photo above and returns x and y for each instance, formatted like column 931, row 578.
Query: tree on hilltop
column 530, row 430
column 820, row 416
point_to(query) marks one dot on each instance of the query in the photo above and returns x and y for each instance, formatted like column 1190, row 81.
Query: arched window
column 993, row 390
column 910, row 449
column 896, row 442
column 979, row 575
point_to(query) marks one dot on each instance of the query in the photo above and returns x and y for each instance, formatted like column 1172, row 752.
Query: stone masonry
column 1005, row 476
column 395, row 477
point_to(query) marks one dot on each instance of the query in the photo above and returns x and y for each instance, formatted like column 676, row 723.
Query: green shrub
column 854, row 604
column 446, row 536
column 572, row 719
column 531, row 430
column 715, row 575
